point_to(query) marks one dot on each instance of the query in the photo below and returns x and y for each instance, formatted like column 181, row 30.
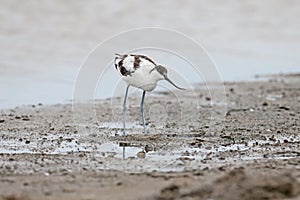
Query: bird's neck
column 157, row 76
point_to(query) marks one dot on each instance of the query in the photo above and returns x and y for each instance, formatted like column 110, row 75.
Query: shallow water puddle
column 158, row 158
column 130, row 155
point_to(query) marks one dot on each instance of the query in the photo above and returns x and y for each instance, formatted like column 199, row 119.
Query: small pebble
column 2, row 120
column 47, row 193
column 284, row 108
column 141, row 154
column 148, row 148
column 119, row 183
column 124, row 144
column 46, row 174
column 68, row 190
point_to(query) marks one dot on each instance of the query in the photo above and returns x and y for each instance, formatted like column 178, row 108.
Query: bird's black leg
column 142, row 111
column 124, row 111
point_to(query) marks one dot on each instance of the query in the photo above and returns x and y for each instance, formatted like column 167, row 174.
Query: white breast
column 141, row 71
column 143, row 79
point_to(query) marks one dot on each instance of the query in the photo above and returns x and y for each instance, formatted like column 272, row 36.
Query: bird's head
column 164, row 73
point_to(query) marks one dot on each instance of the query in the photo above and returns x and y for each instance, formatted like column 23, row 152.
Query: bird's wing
column 129, row 63
column 124, row 64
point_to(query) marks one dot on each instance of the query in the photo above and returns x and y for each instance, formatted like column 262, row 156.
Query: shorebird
column 141, row 72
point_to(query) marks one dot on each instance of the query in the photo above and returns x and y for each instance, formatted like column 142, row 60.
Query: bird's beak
column 167, row 79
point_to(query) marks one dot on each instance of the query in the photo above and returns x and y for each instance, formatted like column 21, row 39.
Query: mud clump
column 238, row 184
column 14, row 197
column 169, row 193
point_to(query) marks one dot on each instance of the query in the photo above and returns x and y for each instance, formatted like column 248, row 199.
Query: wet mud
column 198, row 146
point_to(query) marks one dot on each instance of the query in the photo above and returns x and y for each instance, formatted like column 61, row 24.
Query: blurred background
column 43, row 43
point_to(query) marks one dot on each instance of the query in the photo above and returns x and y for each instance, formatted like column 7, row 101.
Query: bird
column 141, row 72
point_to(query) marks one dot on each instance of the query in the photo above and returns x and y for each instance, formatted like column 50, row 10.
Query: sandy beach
column 251, row 153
